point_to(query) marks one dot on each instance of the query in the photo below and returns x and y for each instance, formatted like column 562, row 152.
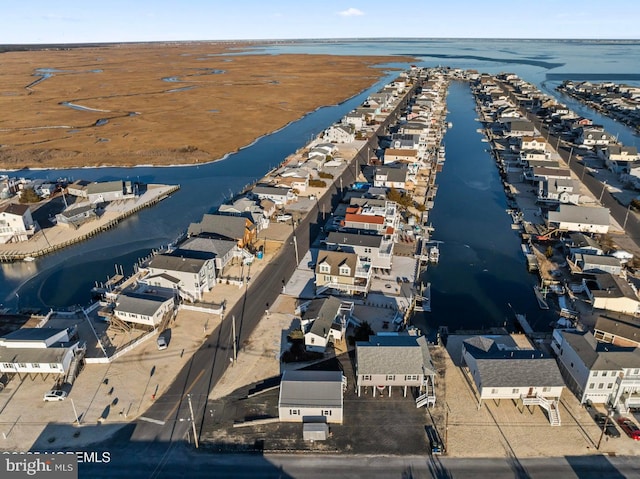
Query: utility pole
column 570, row 155
column 75, row 412
column 604, row 185
column 235, row 343
column 604, row 428
column 295, row 246
column 626, row 217
column 193, row 422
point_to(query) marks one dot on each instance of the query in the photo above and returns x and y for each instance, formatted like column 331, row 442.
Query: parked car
column 630, row 428
column 611, row 430
column 162, row 342
column 55, row 395
column 283, row 218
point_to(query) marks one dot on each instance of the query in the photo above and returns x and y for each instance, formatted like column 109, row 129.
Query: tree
column 361, row 333
column 29, row 195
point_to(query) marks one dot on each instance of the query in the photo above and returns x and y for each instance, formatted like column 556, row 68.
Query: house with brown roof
column 341, row 272
column 237, row 228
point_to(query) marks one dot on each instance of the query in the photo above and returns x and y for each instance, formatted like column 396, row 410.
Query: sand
column 165, row 104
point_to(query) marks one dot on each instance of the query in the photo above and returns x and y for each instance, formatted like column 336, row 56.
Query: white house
column 501, row 369
column 584, row 219
column 612, row 293
column 393, row 155
column 311, row 396
column 107, row 191
column 559, row 190
column 16, row 223
column 400, row 360
column 391, row 177
column 593, row 136
column 195, row 271
column 597, row 263
column 37, row 351
column 619, row 158
column 602, row 373
column 145, row 309
column 324, row 322
column 280, row 196
column 374, row 250
column 537, row 143
column 339, row 133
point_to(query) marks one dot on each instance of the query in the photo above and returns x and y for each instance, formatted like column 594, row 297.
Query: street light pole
column 604, row 185
column 626, row 216
column 75, row 412
column 570, row 155
column 193, row 422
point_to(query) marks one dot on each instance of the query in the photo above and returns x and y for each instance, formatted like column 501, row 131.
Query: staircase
column 74, row 367
column 429, row 397
column 551, row 406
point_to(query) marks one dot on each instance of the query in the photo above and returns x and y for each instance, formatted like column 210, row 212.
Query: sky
column 72, row 21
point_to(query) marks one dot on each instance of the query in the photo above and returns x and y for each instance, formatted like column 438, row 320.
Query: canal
column 482, row 277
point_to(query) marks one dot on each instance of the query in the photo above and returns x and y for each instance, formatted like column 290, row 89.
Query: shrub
column 324, row 174
column 317, row 183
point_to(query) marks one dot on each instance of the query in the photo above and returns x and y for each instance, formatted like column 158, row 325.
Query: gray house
column 592, row 263
column 195, row 271
column 373, row 250
column 106, row 191
column 76, row 216
column 400, row 360
column 311, row 396
column 325, row 321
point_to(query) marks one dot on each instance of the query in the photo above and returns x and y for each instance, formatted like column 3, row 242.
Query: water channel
column 482, row 277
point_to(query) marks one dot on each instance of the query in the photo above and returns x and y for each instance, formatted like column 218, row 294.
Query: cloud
column 351, row 12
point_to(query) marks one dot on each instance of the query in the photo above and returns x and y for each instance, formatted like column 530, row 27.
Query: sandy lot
column 159, row 103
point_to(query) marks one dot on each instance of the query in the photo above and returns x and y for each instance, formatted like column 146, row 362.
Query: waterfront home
column 356, row 119
column 194, row 270
column 75, row 217
column 594, row 136
column 544, row 173
column 394, row 155
column 582, row 243
column 619, row 159
column 590, row 263
column 372, row 217
column 341, row 272
column 339, row 133
column 373, row 250
column 527, row 156
column 311, row 396
column 222, row 250
column 537, row 143
column 601, row 373
column 324, row 322
column 107, row 191
column 402, row 141
column 237, row 228
column 144, row 309
column 400, row 360
column 618, row 329
column 248, row 208
column 280, row 196
column 392, row 177
column 502, row 368
column 583, row 219
column 518, row 127
column 78, row 188
column 297, row 180
column 612, row 293
column 16, row 223
column 561, row 190
column 41, row 351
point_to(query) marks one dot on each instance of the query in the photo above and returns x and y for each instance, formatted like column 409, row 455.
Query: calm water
column 481, row 268
column 65, row 277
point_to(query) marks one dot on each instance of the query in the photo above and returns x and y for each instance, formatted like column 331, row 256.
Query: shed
column 315, row 431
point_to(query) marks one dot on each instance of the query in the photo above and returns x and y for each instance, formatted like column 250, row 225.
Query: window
column 610, row 386
column 294, row 412
column 327, row 278
column 325, row 268
column 326, row 413
column 515, row 391
column 604, row 373
column 7, row 365
column 35, row 365
column 546, row 390
column 22, row 365
column 53, row 366
column 601, row 386
column 345, row 271
column 636, row 372
column 366, row 377
column 595, row 374
column 390, row 377
column 592, row 385
column 494, row 391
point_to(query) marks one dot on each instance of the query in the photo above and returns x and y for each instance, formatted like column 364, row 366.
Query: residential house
column 612, row 293
column 144, row 309
column 503, row 369
column 248, row 208
column 311, row 396
column 222, row 250
column 237, row 228
column 584, row 219
column 343, row 272
column 371, row 217
column 581, row 243
column 355, row 119
column 324, row 322
column 593, row 136
column 393, row 155
column 593, row 263
column 107, row 191
column 544, row 173
column 519, row 127
column 601, row 373
column 280, row 196
column 16, row 223
column 77, row 216
column 618, row 329
column 38, row 351
column 619, row 158
column 194, row 270
column 559, row 190
column 537, row 143
column 373, row 250
column 339, row 133
column 391, row 177
column 401, row 360
column 79, row 188
column 297, row 182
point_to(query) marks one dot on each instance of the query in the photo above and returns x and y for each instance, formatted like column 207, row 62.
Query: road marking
column 154, row 421
column 187, row 391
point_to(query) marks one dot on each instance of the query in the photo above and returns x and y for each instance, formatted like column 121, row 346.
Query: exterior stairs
column 551, row 406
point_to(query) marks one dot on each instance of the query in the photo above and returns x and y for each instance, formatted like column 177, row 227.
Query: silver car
column 55, row 395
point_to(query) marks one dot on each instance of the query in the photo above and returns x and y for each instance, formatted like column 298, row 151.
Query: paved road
column 170, row 414
column 180, row 462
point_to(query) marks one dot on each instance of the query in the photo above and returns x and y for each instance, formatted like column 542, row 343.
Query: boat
column 450, row 124
column 434, row 254
column 542, row 302
column 28, row 258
